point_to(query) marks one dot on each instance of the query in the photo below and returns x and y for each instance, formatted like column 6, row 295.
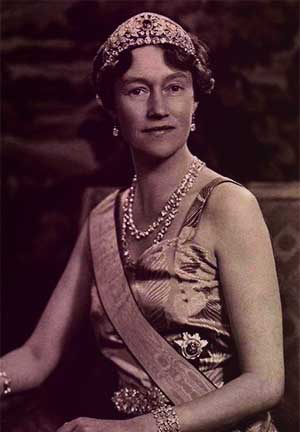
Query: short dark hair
column 105, row 77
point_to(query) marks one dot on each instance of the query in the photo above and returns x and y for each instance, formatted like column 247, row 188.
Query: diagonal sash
column 173, row 374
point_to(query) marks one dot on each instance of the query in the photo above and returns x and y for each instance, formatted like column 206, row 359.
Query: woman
column 193, row 248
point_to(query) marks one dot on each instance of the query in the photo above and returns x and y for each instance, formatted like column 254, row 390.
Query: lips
column 158, row 129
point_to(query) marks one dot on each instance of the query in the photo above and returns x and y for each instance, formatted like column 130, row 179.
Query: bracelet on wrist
column 6, row 384
column 166, row 419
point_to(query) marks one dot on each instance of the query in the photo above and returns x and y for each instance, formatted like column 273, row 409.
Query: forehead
column 148, row 62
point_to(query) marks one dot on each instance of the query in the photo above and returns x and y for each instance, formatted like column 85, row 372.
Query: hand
column 145, row 423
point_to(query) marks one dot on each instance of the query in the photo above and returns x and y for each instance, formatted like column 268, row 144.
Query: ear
column 196, row 103
column 110, row 112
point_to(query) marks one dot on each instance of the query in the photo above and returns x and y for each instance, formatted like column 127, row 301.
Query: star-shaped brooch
column 191, row 345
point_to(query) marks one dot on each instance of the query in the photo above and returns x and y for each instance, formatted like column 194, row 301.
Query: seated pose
column 177, row 271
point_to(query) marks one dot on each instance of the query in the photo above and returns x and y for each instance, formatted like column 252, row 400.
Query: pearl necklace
column 167, row 214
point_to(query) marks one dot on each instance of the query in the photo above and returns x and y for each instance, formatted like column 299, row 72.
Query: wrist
column 142, row 423
column 166, row 419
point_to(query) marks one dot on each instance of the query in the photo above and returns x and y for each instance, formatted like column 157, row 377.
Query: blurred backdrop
column 57, row 146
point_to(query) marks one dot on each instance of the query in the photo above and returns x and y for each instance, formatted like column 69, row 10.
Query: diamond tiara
column 146, row 28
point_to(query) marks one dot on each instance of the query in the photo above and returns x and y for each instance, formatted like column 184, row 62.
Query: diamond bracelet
column 166, row 419
column 6, row 384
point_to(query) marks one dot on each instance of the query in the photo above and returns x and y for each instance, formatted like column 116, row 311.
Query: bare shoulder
column 105, row 204
column 233, row 214
column 230, row 199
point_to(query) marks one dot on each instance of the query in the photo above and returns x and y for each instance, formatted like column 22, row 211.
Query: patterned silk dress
column 177, row 287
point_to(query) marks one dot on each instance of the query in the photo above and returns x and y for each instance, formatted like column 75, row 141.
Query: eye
column 175, row 88
column 137, row 91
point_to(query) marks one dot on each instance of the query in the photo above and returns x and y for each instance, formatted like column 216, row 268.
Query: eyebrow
column 133, row 79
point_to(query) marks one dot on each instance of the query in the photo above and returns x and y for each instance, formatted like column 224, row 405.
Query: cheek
column 129, row 113
column 184, row 114
column 183, row 109
column 130, row 119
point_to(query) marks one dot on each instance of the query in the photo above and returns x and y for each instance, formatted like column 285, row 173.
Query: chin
column 158, row 152
column 159, row 148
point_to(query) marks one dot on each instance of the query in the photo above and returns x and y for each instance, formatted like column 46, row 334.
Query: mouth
column 158, row 130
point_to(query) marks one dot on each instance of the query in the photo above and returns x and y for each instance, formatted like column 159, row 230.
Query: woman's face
column 154, row 104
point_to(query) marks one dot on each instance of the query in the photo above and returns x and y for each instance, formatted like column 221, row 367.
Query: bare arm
column 251, row 293
column 29, row 365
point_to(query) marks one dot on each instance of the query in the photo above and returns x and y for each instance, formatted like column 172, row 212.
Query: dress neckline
column 164, row 242
column 192, row 217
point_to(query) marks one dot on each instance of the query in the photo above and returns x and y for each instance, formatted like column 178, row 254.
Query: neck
column 157, row 179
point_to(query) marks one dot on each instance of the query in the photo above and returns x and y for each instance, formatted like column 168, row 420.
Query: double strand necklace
column 167, row 214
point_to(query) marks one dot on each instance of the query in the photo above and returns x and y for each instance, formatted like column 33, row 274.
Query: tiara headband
column 146, row 28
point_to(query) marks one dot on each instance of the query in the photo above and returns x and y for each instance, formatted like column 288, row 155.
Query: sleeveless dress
column 176, row 285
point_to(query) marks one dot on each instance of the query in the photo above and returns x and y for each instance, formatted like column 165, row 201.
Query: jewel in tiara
column 146, row 28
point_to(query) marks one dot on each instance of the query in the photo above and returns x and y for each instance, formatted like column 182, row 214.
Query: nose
column 157, row 105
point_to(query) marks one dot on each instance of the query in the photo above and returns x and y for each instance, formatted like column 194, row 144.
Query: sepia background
column 59, row 155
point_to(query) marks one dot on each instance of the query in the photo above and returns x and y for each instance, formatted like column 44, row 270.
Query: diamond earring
column 193, row 124
column 115, row 131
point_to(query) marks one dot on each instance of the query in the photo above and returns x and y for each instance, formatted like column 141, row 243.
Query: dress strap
column 194, row 215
